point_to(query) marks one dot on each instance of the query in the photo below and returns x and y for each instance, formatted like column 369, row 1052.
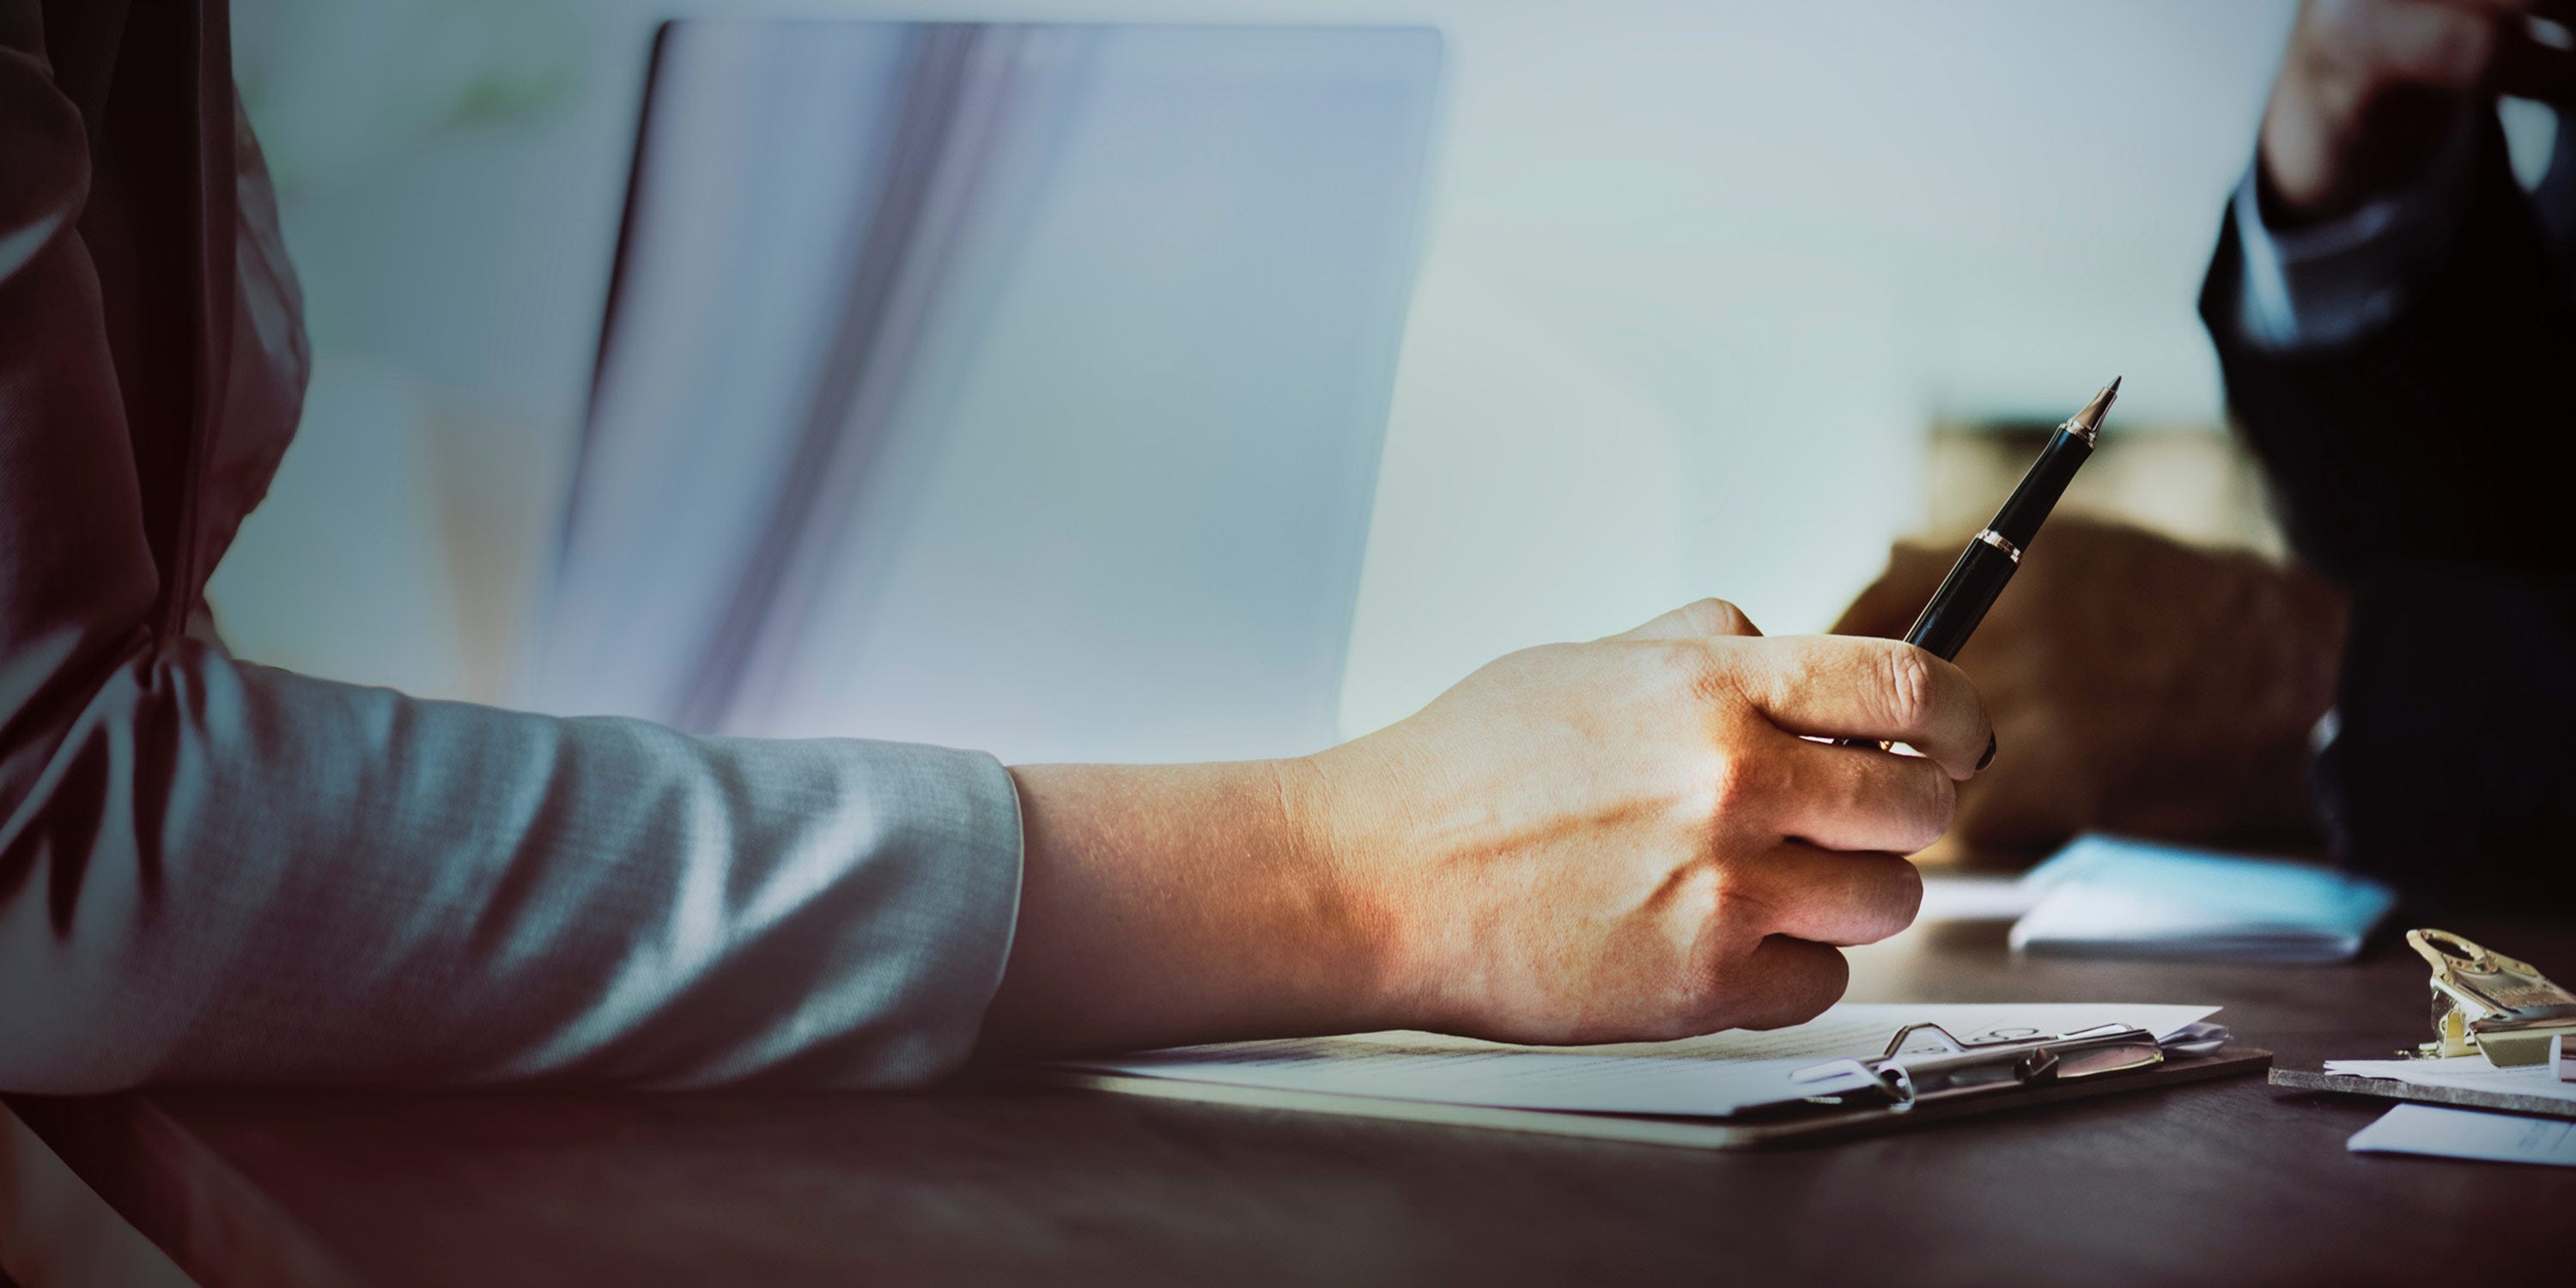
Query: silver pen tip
column 2087, row 424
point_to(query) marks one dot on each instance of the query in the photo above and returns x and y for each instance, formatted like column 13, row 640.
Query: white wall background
column 1698, row 277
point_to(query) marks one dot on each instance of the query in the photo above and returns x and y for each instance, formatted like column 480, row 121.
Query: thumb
column 1695, row 621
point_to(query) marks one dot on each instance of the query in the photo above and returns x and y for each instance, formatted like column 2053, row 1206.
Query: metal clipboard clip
column 2485, row 1003
column 1903, row 1079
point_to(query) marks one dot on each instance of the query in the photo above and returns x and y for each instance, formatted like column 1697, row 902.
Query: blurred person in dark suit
column 2396, row 318
column 2393, row 314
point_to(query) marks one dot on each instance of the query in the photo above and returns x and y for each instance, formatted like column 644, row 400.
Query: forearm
column 1166, row 904
column 225, row 873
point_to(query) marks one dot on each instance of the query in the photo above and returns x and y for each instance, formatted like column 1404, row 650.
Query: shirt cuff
column 921, row 966
column 2326, row 285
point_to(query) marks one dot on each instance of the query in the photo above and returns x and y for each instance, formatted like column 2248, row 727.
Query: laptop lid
column 1007, row 386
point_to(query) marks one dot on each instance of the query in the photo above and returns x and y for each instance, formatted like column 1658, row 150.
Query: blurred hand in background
column 2137, row 685
column 2371, row 89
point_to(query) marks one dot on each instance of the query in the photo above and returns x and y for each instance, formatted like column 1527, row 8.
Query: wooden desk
column 2231, row 1182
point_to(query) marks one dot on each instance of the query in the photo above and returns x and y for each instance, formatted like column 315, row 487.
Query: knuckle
column 1740, row 904
column 1705, row 674
column 1909, row 686
column 1714, row 617
column 1741, row 783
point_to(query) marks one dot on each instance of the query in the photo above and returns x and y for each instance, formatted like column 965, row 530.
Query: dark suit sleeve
column 2416, row 465
column 218, row 872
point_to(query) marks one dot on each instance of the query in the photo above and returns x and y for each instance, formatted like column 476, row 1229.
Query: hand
column 1629, row 839
column 2370, row 89
column 1626, row 839
column 2138, row 685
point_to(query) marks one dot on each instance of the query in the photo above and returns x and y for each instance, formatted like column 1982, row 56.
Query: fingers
column 1784, row 981
column 1698, row 620
column 1800, row 901
column 1794, row 903
column 1830, row 897
column 1853, row 798
column 2442, row 46
column 1833, row 686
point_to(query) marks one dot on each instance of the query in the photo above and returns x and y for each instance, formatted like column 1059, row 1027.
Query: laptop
column 1009, row 386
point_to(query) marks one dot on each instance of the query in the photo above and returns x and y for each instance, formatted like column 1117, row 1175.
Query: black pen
column 1993, row 554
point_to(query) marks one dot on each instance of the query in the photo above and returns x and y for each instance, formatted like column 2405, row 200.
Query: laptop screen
column 1017, row 387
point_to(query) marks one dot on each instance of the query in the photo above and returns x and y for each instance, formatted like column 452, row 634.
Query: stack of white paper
column 2108, row 896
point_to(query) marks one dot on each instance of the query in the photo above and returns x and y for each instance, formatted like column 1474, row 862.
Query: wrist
column 1332, row 811
column 1173, row 904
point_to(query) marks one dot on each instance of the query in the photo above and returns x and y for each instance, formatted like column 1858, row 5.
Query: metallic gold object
column 2485, row 1003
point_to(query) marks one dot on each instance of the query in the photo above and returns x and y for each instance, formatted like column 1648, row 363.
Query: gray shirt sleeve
column 233, row 873
column 218, row 872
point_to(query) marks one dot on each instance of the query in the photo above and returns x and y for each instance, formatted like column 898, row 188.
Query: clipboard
column 1903, row 1091
column 2392, row 1089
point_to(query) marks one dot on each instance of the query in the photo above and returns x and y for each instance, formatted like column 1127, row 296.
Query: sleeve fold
column 217, row 872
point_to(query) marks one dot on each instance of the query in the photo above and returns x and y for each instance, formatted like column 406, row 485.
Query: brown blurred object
column 2138, row 685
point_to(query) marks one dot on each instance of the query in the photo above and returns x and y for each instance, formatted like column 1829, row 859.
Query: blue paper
column 2111, row 896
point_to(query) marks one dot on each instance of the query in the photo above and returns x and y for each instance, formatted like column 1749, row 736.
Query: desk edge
column 220, row 1229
